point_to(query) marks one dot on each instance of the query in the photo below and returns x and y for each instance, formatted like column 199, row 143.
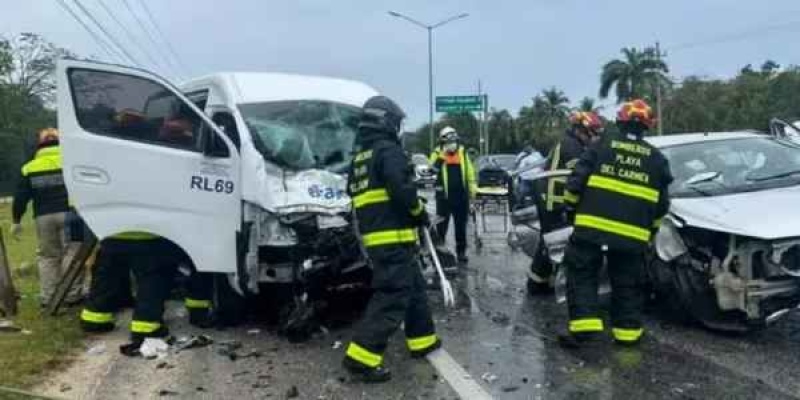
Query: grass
column 26, row 357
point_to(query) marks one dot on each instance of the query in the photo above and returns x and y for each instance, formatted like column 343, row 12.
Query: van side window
column 226, row 121
column 133, row 108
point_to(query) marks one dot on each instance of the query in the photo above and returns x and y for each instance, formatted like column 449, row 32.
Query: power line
column 737, row 36
column 108, row 34
column 100, row 42
column 128, row 33
column 161, row 34
column 166, row 58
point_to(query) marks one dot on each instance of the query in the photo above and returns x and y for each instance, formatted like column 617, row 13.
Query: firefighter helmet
column 636, row 111
column 382, row 114
column 587, row 119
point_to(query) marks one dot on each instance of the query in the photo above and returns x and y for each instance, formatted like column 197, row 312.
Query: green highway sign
column 460, row 103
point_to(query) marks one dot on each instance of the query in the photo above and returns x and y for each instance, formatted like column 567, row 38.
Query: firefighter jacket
column 384, row 195
column 41, row 180
column 619, row 191
column 564, row 156
column 441, row 160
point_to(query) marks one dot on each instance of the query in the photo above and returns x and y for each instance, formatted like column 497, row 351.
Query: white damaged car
column 728, row 253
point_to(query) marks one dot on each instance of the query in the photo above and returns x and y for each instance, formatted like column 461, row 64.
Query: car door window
column 133, row 108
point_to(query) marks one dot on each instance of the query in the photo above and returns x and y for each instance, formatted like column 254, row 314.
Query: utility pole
column 659, row 115
column 481, row 133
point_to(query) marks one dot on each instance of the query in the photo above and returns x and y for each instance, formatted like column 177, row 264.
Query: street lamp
column 430, row 29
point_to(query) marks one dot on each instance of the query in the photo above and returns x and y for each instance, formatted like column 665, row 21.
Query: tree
column 556, row 106
column 634, row 76
column 588, row 104
column 502, row 133
column 33, row 62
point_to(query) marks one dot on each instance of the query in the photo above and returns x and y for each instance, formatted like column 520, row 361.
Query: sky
column 516, row 48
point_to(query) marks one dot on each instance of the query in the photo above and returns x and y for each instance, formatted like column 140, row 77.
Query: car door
column 134, row 161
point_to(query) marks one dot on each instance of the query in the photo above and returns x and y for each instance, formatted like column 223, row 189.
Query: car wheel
column 699, row 300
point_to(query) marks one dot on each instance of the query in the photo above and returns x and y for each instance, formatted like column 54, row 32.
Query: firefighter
column 41, row 181
column 585, row 128
column 389, row 214
column 617, row 195
column 455, row 188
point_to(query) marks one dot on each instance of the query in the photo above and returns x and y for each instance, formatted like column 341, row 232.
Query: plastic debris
column 489, row 377
column 337, row 345
column 193, row 342
column 96, row 349
column 9, row 327
column 154, row 348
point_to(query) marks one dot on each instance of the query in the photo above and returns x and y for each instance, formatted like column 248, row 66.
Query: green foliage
column 635, row 76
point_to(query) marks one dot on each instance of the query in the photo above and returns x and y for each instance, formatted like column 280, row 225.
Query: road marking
column 458, row 378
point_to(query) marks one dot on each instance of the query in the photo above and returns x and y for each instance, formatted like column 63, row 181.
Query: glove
column 423, row 220
column 16, row 231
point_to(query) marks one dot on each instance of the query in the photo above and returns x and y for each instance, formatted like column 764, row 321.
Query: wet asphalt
column 503, row 337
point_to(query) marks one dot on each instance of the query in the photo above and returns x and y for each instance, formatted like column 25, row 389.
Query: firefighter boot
column 366, row 374
column 574, row 341
column 428, row 350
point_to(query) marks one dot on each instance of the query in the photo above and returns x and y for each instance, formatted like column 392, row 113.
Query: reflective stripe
column 370, row 197
column 615, row 227
column 396, row 236
column 467, row 172
column 421, row 343
column 363, row 355
column 627, row 335
column 135, row 236
column 194, row 303
column 417, row 210
column 96, row 317
column 586, row 325
column 144, row 326
column 363, row 156
column 46, row 159
column 625, row 188
column 551, row 184
column 570, row 197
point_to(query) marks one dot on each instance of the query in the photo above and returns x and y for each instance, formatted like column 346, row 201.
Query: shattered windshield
column 303, row 134
column 718, row 167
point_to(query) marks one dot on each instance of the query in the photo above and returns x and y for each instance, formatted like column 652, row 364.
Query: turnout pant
column 583, row 261
column 153, row 269
column 399, row 298
column 459, row 210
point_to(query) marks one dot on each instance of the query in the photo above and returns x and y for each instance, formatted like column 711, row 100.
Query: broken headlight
column 668, row 243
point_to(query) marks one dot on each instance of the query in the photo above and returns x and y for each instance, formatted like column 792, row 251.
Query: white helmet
column 448, row 134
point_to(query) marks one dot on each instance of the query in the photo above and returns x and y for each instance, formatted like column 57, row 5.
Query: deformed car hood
column 767, row 214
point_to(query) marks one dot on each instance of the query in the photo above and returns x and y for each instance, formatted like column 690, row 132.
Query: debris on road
column 165, row 393
column 164, row 365
column 154, row 348
column 254, row 331
column 95, row 349
column 292, row 393
column 193, row 342
column 489, row 377
column 65, row 388
column 510, row 388
column 501, row 319
column 337, row 344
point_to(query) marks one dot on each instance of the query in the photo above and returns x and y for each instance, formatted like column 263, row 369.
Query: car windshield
column 718, row 167
column 303, row 134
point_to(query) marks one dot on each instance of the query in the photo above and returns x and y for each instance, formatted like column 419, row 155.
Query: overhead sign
column 447, row 104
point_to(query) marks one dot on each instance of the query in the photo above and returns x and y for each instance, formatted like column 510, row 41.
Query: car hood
column 766, row 214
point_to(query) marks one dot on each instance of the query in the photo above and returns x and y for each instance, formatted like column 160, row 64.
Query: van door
column 134, row 160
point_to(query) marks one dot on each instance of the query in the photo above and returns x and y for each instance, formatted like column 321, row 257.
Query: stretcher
column 491, row 200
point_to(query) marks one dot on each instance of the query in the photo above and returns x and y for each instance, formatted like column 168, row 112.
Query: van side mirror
column 213, row 145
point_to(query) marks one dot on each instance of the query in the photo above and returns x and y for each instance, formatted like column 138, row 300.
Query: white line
column 458, row 378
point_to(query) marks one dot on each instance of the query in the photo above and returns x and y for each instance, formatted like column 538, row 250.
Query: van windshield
column 303, row 134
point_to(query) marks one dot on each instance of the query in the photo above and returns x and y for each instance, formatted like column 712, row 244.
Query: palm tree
column 588, row 104
column 554, row 104
column 635, row 76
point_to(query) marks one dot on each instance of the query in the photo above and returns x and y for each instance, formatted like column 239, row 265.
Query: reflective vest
column 441, row 159
column 623, row 195
column 379, row 222
column 45, row 182
column 564, row 156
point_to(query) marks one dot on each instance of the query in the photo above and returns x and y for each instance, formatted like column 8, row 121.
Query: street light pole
column 430, row 29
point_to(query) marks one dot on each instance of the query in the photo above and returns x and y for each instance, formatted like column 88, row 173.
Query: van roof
column 256, row 87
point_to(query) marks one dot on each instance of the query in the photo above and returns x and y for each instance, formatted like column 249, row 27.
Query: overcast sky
column 516, row 47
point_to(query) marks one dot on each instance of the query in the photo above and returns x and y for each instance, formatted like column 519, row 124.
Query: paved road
column 503, row 339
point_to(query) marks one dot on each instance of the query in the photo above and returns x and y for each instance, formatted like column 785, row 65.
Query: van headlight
column 668, row 243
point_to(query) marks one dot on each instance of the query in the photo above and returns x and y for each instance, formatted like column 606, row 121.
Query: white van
column 243, row 171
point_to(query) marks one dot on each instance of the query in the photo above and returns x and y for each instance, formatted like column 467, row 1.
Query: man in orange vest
column 455, row 187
